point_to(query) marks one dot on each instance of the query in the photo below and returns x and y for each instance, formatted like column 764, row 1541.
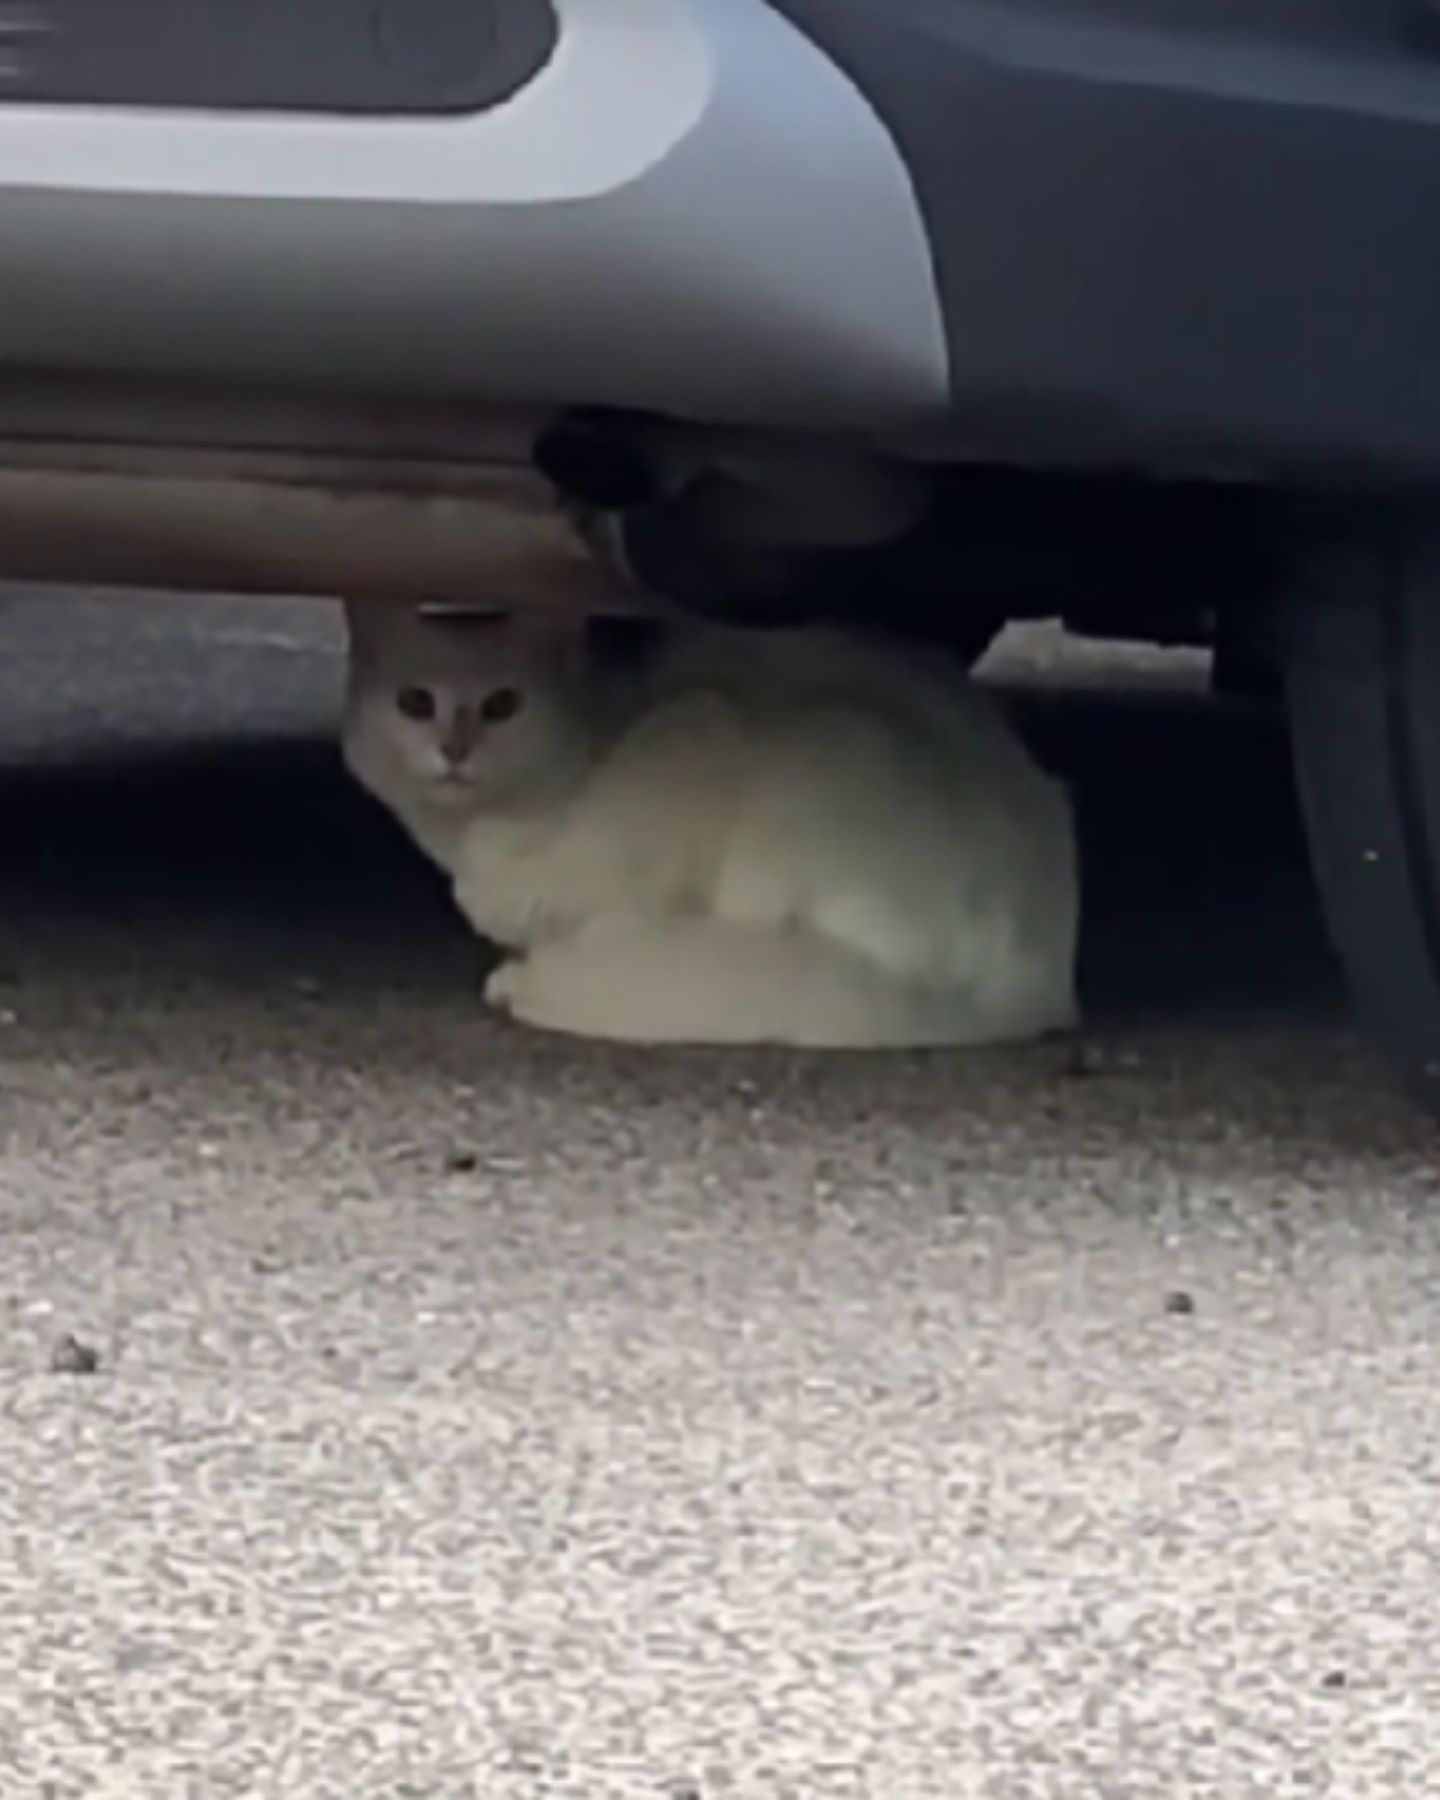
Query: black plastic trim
column 347, row 56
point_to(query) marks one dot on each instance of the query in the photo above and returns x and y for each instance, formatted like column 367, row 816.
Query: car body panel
column 1172, row 231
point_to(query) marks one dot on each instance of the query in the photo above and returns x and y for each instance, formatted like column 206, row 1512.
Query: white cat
column 801, row 838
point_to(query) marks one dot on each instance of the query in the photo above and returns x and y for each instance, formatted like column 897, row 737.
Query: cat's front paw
column 502, row 983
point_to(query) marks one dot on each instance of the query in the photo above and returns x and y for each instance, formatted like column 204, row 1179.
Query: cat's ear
column 559, row 634
column 375, row 623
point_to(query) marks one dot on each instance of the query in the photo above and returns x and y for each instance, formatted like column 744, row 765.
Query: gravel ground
column 393, row 1404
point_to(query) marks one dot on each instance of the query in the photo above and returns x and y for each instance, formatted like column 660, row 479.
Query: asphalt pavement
column 394, row 1404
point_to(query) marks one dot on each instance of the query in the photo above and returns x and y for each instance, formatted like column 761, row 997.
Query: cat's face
column 471, row 713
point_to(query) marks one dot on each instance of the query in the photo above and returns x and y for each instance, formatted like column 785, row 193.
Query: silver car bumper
column 689, row 208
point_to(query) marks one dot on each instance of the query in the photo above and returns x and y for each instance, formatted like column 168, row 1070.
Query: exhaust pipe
column 343, row 527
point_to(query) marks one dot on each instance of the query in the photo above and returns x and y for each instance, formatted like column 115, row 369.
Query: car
column 1122, row 310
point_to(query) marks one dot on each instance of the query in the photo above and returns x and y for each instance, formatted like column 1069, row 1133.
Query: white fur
column 790, row 838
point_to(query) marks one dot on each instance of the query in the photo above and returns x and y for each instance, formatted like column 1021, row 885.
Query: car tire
column 1361, row 647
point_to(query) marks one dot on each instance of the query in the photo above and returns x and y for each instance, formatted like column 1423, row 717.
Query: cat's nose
column 460, row 738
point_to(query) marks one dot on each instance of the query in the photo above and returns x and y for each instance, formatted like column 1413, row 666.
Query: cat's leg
column 698, row 981
column 501, row 982
column 519, row 885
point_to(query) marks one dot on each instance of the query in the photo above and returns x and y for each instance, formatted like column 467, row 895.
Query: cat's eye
column 415, row 703
column 503, row 704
